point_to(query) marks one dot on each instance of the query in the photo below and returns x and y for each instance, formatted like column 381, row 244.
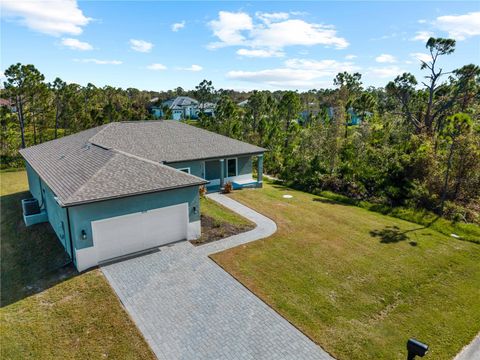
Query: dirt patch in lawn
column 214, row 229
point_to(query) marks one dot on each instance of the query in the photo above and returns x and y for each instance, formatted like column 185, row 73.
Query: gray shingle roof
column 79, row 172
column 170, row 141
column 180, row 102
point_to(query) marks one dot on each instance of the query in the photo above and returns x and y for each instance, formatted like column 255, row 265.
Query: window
column 231, row 167
column 185, row 170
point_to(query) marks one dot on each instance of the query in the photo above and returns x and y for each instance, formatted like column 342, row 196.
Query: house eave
column 77, row 203
column 216, row 157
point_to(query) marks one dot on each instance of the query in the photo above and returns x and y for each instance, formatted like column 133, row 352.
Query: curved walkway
column 187, row 307
column 265, row 227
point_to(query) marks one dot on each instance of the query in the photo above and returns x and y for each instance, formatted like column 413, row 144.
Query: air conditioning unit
column 30, row 207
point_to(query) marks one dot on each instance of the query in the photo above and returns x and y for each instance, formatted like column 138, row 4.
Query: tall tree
column 204, row 92
column 256, row 108
column 437, row 47
column 58, row 87
column 349, row 88
column 457, row 126
column 289, row 111
column 22, row 80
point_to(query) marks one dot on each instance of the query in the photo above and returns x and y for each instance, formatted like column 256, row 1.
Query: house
column 126, row 187
column 353, row 117
column 10, row 105
column 182, row 107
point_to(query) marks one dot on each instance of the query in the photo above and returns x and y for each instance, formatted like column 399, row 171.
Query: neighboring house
column 8, row 104
column 126, row 187
column 354, row 118
column 182, row 107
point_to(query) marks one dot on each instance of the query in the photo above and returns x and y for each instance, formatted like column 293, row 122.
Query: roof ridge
column 160, row 165
column 99, row 132
column 90, row 178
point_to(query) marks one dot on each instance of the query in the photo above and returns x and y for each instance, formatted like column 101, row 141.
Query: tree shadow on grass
column 393, row 234
column 32, row 258
column 331, row 202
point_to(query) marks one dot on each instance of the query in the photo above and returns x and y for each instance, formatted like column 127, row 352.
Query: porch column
column 222, row 173
column 260, row 170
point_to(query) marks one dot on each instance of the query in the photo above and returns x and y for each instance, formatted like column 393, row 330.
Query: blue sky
column 155, row 45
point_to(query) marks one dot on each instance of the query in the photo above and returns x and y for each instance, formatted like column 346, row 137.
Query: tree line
column 417, row 144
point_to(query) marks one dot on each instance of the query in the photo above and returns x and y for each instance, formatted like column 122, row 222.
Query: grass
column 468, row 232
column 49, row 311
column 219, row 222
column 357, row 282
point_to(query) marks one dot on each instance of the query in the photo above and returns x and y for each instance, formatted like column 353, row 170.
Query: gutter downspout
column 72, row 254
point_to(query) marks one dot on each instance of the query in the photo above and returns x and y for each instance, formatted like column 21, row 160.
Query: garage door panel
column 126, row 234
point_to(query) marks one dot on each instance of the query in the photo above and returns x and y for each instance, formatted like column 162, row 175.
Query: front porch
column 234, row 170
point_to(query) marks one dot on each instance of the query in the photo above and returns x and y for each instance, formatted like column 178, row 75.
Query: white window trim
column 185, row 168
column 236, row 167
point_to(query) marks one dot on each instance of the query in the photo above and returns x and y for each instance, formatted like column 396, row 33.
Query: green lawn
column 49, row 311
column 357, row 282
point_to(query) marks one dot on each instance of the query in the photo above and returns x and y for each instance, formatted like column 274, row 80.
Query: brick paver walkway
column 187, row 307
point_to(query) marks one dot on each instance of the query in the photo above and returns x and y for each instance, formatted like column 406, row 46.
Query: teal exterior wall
column 211, row 168
column 196, row 167
column 244, row 165
column 33, row 183
column 57, row 216
column 81, row 216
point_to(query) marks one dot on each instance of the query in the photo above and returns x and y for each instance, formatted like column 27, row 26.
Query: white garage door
column 123, row 235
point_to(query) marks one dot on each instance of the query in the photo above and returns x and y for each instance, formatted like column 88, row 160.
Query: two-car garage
column 105, row 230
column 128, row 234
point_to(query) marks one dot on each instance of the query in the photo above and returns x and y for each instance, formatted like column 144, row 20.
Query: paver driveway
column 187, row 307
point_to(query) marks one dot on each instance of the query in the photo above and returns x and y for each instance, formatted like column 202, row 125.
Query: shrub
column 228, row 188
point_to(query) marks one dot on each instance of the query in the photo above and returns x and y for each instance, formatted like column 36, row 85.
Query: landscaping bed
column 218, row 222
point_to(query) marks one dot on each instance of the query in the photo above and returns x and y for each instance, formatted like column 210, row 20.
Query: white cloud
column 279, row 31
column 296, row 32
column 385, row 71
column 229, row 27
column 260, row 53
column 272, row 17
column 52, row 17
column 156, row 67
column 421, row 56
column 296, row 73
column 178, row 26
column 76, row 44
column 422, row 36
column 385, row 58
column 100, row 62
column 422, row 21
column 141, row 45
column 193, row 68
column 350, row 57
column 460, row 27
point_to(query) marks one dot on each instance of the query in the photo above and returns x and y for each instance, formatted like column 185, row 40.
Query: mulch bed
column 213, row 230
